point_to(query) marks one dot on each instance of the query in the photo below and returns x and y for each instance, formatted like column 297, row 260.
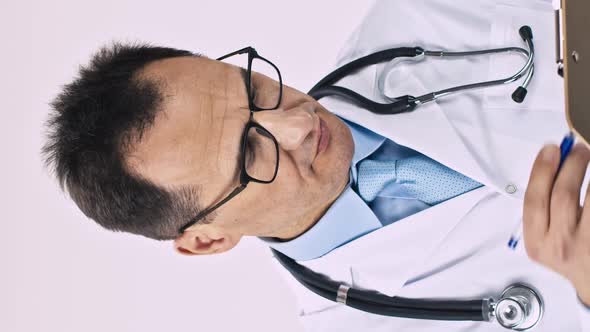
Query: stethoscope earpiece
column 525, row 33
column 326, row 87
column 519, row 94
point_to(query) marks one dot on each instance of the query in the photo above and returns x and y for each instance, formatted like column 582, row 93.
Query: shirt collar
column 365, row 141
column 348, row 218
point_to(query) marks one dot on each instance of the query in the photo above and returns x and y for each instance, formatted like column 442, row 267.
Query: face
column 195, row 141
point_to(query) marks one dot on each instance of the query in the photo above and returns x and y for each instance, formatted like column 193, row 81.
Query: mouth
column 324, row 137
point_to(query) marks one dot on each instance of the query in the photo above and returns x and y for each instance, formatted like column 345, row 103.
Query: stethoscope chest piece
column 519, row 308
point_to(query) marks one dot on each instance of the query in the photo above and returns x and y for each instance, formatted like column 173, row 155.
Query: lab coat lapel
column 405, row 246
column 426, row 130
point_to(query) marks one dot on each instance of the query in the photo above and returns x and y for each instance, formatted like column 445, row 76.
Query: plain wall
column 62, row 272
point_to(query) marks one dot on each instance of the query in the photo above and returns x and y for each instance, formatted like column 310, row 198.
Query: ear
column 205, row 240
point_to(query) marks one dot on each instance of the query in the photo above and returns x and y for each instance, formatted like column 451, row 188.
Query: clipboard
column 572, row 22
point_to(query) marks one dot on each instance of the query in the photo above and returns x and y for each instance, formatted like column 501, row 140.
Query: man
column 174, row 146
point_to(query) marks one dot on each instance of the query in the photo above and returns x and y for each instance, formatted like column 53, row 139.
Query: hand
column 556, row 227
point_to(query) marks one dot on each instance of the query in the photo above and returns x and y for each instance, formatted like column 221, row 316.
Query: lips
column 324, row 138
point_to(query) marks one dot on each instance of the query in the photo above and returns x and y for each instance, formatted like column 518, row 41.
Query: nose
column 290, row 126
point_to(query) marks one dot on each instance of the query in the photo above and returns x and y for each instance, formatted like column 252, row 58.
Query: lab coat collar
column 398, row 250
column 426, row 130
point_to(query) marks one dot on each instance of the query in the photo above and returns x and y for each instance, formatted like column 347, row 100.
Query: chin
column 343, row 142
column 342, row 150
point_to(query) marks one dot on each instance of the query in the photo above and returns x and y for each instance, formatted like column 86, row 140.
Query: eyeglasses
column 259, row 155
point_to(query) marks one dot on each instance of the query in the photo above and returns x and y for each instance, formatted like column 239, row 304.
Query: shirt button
column 510, row 188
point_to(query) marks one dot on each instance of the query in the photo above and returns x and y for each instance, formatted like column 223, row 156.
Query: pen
column 566, row 146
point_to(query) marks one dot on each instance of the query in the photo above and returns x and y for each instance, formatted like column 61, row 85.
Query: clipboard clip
column 558, row 38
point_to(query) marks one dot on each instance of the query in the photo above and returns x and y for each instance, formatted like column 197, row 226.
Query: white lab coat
column 457, row 249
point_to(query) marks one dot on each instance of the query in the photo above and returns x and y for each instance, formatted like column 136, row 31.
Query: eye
column 253, row 93
column 259, row 144
column 263, row 133
column 251, row 146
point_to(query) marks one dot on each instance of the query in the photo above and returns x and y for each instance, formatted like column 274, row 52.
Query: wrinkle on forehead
column 195, row 137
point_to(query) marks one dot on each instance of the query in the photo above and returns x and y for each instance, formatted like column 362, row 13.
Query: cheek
column 296, row 195
column 286, row 193
column 288, row 180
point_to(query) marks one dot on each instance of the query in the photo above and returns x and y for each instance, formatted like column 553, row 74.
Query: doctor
column 148, row 141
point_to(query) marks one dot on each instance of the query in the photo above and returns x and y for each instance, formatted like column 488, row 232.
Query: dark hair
column 94, row 121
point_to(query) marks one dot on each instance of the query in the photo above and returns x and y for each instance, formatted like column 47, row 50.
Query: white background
column 61, row 272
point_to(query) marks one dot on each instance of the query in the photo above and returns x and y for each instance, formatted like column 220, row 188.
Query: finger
column 584, row 225
column 565, row 198
column 538, row 196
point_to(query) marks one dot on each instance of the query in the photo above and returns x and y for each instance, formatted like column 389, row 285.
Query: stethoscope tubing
column 408, row 103
column 527, row 69
column 371, row 59
column 377, row 303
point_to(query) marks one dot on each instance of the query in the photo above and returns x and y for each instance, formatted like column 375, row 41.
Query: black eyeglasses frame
column 245, row 178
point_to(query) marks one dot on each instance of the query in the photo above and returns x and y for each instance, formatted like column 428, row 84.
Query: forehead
column 196, row 74
column 195, row 136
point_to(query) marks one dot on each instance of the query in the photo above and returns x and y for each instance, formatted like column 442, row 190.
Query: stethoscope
column 519, row 306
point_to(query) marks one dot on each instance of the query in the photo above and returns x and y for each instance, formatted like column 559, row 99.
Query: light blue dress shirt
column 349, row 217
